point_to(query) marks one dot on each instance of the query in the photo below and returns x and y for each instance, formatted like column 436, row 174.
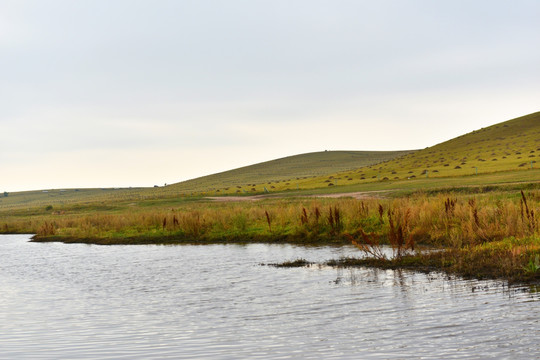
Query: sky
column 118, row 93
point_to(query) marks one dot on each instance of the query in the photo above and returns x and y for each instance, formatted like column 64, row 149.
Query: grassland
column 504, row 147
column 62, row 197
column 486, row 224
column 281, row 174
column 276, row 175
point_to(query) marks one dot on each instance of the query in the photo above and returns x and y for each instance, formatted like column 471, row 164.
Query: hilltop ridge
column 507, row 146
column 283, row 170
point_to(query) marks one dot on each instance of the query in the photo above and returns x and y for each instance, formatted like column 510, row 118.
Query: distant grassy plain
column 487, row 222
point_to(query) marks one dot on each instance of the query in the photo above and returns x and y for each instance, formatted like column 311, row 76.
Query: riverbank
column 492, row 234
column 187, row 240
column 513, row 260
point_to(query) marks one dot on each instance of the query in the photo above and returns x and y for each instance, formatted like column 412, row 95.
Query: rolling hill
column 511, row 147
column 280, row 173
column 274, row 174
column 508, row 146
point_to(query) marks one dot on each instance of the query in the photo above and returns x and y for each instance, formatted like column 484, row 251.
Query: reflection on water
column 216, row 301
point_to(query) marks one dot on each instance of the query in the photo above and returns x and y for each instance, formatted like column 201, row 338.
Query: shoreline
column 494, row 262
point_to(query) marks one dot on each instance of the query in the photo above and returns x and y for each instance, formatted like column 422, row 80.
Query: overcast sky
column 135, row 93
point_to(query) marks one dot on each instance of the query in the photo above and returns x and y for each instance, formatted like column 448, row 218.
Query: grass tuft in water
column 293, row 263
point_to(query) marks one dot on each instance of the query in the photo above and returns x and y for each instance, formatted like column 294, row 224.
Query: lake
column 81, row 301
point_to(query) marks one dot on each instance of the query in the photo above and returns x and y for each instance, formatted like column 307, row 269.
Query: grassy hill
column 508, row 146
column 279, row 173
column 511, row 146
column 285, row 172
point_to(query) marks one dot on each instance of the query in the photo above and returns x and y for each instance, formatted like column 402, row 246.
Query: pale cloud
column 128, row 93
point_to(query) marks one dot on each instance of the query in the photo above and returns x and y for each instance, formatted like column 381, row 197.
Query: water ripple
column 215, row 301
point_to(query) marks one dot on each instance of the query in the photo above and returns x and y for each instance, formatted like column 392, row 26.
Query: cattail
column 304, row 217
column 268, row 220
column 524, row 201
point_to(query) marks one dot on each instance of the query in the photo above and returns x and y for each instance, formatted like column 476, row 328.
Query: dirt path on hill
column 359, row 195
column 239, row 198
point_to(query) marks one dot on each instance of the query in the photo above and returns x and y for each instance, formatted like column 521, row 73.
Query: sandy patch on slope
column 359, row 195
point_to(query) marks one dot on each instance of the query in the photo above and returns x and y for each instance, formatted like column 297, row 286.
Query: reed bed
column 501, row 229
column 441, row 220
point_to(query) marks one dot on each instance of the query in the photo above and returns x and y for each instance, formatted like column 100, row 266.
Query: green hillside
column 511, row 146
column 275, row 174
column 508, row 146
column 285, row 172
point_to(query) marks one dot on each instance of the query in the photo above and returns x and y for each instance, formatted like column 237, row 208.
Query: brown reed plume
column 334, row 220
column 268, row 220
column 304, row 217
column 363, row 210
column 481, row 234
column 474, row 211
column 527, row 214
column 399, row 236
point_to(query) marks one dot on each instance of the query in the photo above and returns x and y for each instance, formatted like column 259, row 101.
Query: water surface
column 216, row 301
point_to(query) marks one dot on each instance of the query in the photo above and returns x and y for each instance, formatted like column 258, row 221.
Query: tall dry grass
column 449, row 220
